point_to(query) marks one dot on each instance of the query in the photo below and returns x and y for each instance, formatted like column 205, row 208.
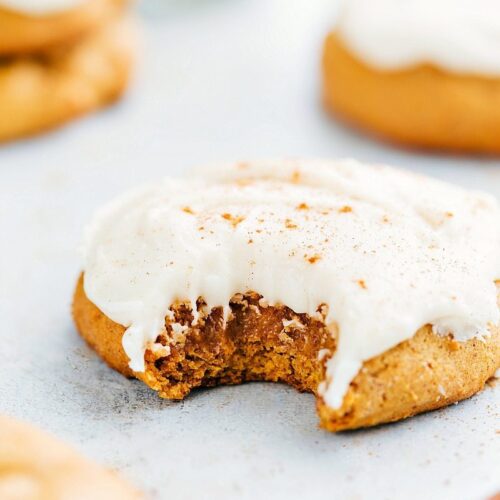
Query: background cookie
column 38, row 93
column 36, row 466
column 421, row 106
column 24, row 34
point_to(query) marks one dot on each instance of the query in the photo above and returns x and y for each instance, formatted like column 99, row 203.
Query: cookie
column 422, row 74
column 23, row 32
column 422, row 107
column 34, row 465
column 42, row 92
column 371, row 287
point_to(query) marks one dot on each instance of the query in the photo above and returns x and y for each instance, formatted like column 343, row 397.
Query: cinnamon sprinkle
column 233, row 219
column 345, row 209
column 313, row 258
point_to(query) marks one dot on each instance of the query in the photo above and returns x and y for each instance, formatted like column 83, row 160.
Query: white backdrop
column 218, row 80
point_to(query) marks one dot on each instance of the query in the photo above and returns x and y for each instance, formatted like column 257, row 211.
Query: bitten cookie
column 422, row 74
column 36, row 466
column 42, row 92
column 371, row 287
column 39, row 29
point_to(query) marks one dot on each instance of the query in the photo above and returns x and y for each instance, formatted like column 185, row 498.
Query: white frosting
column 458, row 35
column 40, row 7
column 387, row 251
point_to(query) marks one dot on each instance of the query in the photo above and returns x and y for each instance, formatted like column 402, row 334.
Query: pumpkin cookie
column 44, row 91
column 422, row 73
column 36, row 466
column 370, row 287
column 33, row 28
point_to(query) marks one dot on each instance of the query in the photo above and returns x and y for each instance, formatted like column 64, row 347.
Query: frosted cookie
column 28, row 26
column 38, row 93
column 420, row 73
column 36, row 466
column 371, row 287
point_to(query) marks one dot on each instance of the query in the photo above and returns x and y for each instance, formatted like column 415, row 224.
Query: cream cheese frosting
column 385, row 250
column 458, row 35
column 40, row 7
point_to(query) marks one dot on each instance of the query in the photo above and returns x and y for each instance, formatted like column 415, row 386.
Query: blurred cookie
column 36, row 466
column 419, row 73
column 28, row 27
column 45, row 91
